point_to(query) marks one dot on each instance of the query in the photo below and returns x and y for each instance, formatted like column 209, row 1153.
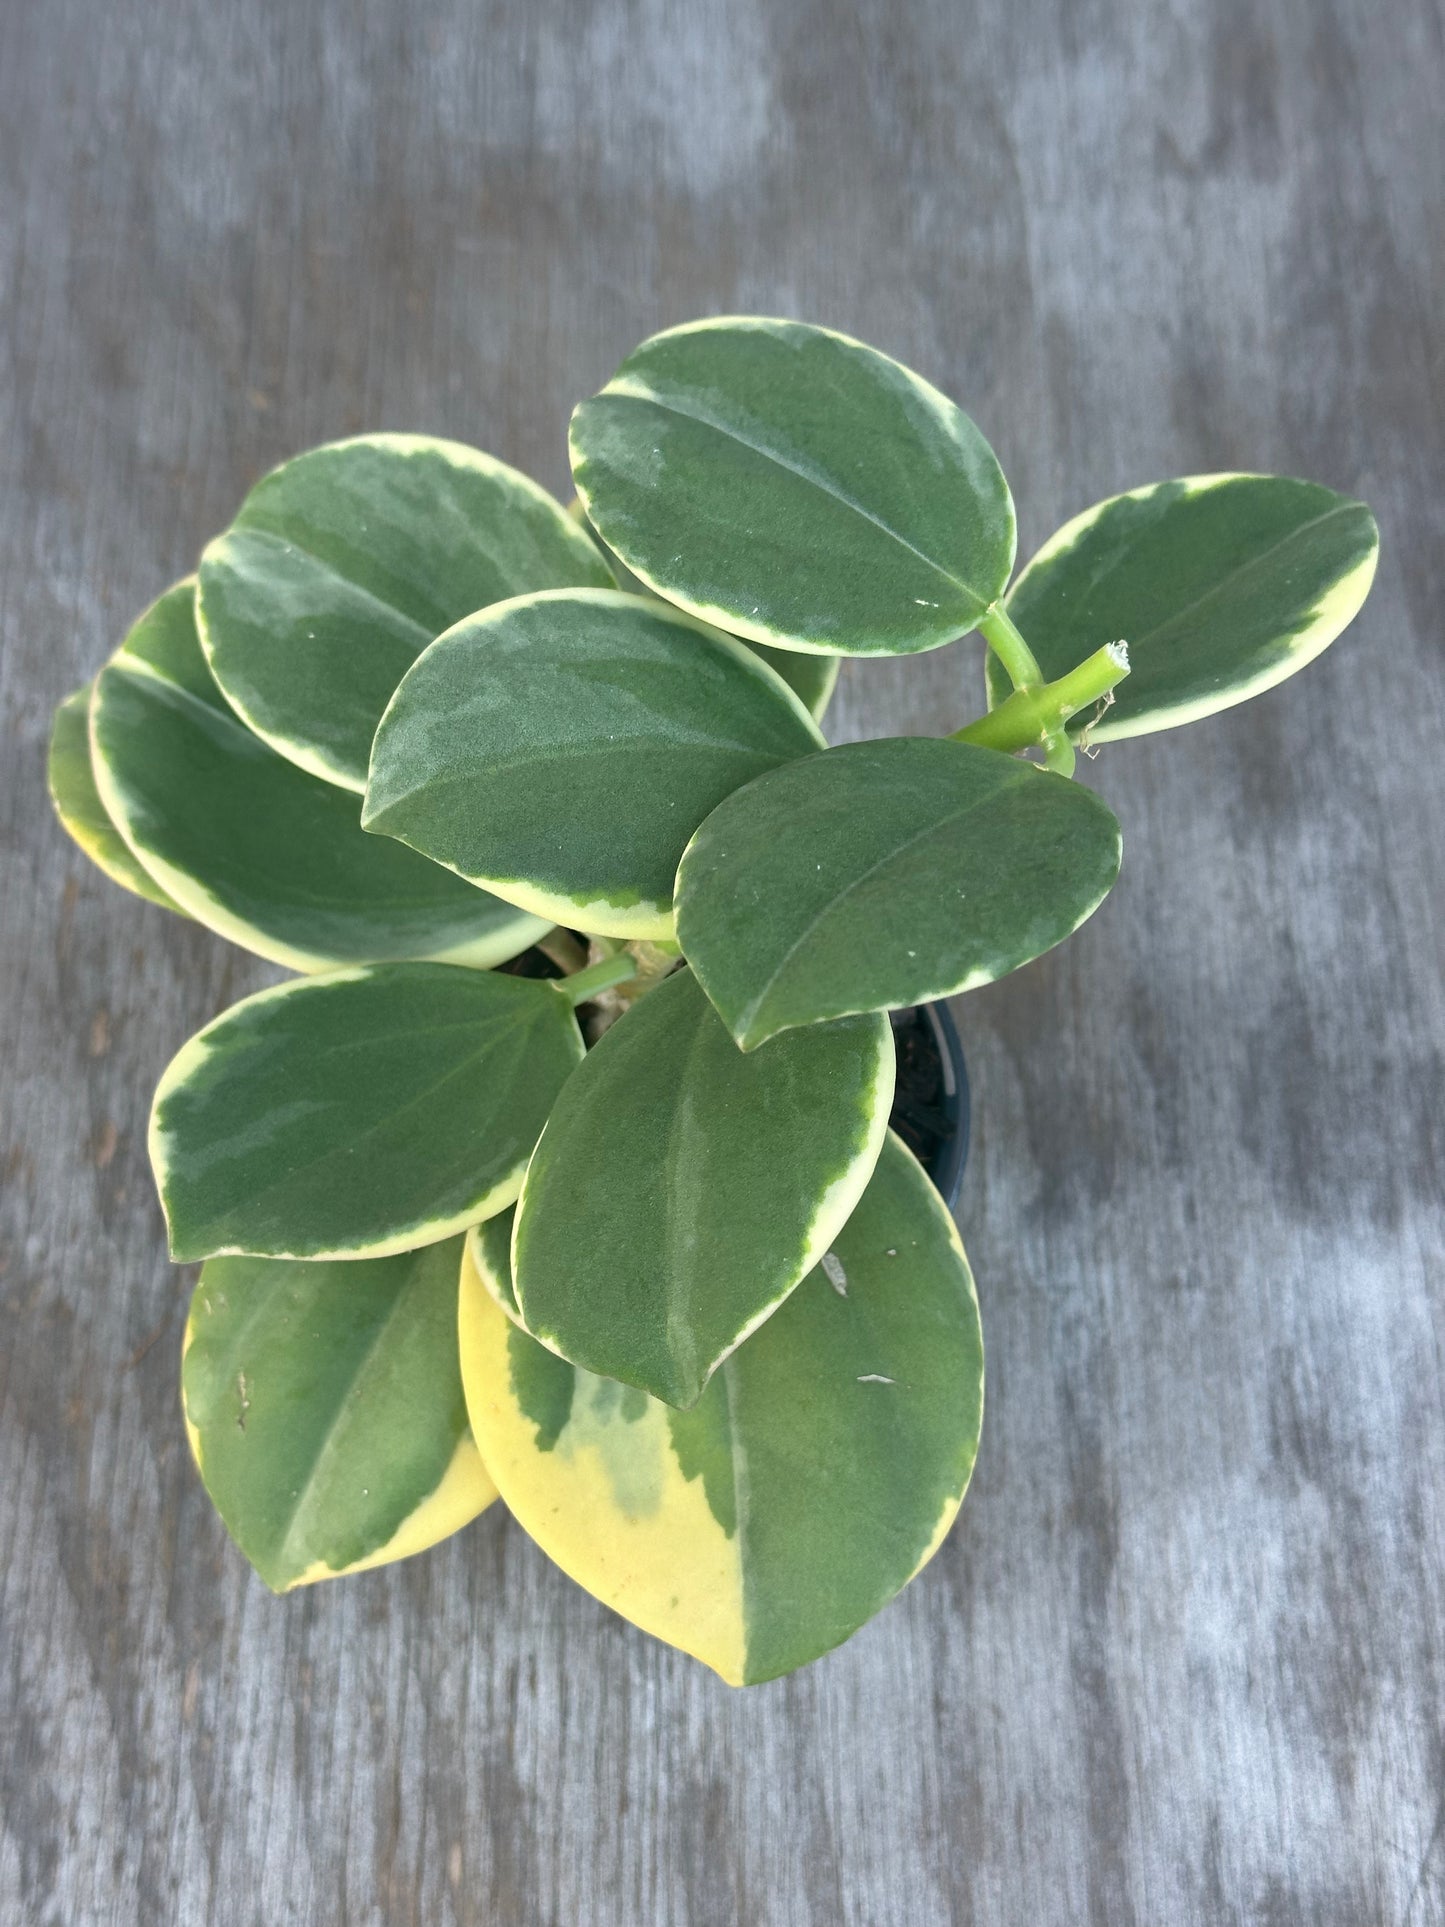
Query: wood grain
column 1183, row 1660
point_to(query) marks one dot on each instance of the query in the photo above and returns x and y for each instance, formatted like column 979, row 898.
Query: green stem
column 1091, row 681
column 1030, row 717
column 1059, row 753
column 597, row 977
column 564, row 950
column 999, row 632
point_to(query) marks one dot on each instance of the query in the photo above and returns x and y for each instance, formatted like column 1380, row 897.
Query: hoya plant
column 562, row 1169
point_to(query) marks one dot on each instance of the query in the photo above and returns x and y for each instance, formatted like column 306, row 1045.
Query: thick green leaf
column 561, row 749
column 796, row 488
column 77, row 802
column 818, row 1472
column 325, row 1410
column 884, row 874
column 489, row 1252
column 681, row 1190
column 358, row 1114
column 811, row 677
column 253, row 847
column 1222, row 585
column 343, row 564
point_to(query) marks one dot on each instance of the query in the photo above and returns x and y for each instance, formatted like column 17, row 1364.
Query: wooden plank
column 1184, row 1658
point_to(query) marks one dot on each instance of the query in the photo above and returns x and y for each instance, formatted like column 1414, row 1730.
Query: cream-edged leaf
column 360, row 1113
column 489, row 1252
column 1220, row 585
column 345, row 562
column 681, row 1190
column 83, row 816
column 796, row 488
column 560, row 749
column 254, row 848
column 818, row 1472
column 812, row 677
column 883, row 874
column 325, row 1410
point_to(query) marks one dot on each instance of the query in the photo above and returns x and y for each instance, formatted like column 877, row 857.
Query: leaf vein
column 636, row 392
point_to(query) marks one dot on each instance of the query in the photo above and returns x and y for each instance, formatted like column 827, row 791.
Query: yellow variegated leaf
column 819, row 1470
column 325, row 1410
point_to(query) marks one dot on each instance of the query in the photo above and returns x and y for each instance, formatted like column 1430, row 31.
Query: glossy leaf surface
column 325, row 1410
column 681, row 1190
column 343, row 564
column 1221, row 585
column 358, row 1114
column 796, row 488
column 817, row 1473
column 83, row 816
column 253, row 847
column 884, row 874
column 489, row 1252
column 561, row 749
column 810, row 676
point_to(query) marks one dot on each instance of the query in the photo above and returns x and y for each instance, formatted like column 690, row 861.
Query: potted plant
column 619, row 1231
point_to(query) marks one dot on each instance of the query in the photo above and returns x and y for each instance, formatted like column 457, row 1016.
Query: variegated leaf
column 796, row 488
column 681, row 1190
column 560, row 749
column 344, row 563
column 256, row 849
column 884, row 874
column 1221, row 585
column 83, row 816
column 357, row 1114
column 818, row 1472
column 325, row 1410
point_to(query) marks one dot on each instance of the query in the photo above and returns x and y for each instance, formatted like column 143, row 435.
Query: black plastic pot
column 931, row 1111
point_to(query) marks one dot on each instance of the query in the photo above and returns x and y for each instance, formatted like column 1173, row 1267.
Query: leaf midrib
column 328, row 1442
column 470, row 778
column 1001, row 789
column 311, row 1165
column 636, row 391
column 372, row 1038
column 678, row 1318
column 1216, row 589
column 259, row 531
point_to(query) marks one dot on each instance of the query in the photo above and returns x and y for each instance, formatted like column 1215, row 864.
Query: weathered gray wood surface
column 1184, row 1659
